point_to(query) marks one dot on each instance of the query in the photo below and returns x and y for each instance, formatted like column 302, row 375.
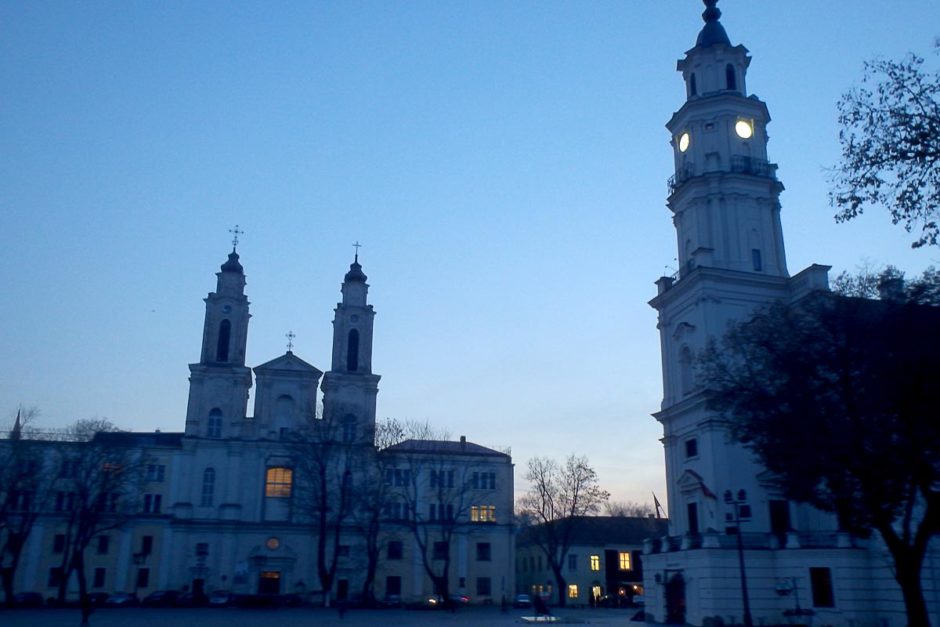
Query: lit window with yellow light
column 595, row 563
column 572, row 591
column 625, row 561
column 278, row 482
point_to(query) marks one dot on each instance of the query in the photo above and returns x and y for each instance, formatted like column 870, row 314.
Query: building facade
column 267, row 503
column 604, row 564
column 724, row 199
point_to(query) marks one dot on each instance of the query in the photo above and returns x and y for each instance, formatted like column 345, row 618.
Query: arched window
column 208, row 487
column 730, row 78
column 693, row 91
column 278, row 482
column 685, row 370
column 352, row 351
column 214, row 426
column 225, row 332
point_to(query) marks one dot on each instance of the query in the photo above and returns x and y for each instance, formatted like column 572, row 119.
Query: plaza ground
column 299, row 617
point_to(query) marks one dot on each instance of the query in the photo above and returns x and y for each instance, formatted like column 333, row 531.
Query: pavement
column 303, row 617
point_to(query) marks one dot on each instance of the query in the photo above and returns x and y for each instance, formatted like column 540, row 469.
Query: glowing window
column 483, row 513
column 278, row 482
column 625, row 560
column 595, row 563
column 572, row 591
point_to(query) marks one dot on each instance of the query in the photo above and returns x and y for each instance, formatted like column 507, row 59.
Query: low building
column 603, row 564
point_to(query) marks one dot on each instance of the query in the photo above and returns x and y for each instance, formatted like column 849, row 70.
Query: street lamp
column 736, row 501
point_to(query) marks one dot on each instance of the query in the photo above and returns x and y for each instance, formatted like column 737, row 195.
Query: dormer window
column 730, row 78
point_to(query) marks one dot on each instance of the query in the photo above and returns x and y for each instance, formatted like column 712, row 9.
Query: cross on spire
column 290, row 340
column 235, row 233
column 357, row 246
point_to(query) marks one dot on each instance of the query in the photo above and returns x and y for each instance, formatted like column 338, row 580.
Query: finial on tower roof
column 713, row 32
column 357, row 246
column 235, row 233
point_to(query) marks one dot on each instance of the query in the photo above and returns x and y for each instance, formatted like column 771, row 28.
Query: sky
column 503, row 164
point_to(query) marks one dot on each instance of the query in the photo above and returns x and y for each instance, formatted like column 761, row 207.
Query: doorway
column 269, row 582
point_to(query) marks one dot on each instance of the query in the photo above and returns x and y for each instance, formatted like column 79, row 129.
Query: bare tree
column 629, row 509
column 557, row 497
column 24, row 493
column 99, row 479
column 323, row 463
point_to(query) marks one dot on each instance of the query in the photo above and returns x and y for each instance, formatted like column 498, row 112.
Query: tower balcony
column 739, row 164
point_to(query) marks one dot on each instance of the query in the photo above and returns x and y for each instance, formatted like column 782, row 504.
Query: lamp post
column 736, row 501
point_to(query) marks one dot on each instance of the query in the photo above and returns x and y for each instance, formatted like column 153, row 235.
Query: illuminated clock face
column 273, row 543
column 684, row 140
column 744, row 129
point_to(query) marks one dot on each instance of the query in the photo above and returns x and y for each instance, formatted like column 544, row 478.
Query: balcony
column 739, row 165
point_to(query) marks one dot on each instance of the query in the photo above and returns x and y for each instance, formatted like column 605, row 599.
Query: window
column 55, row 576
column 152, row 503
column 64, row 501
column 730, row 79
column 756, row 260
column 20, row 500
column 692, row 90
column 821, row 581
column 349, row 428
column 595, row 563
column 484, row 551
column 484, row 481
column 572, row 591
column 484, row 587
column 392, row 585
column 483, row 513
column 278, row 482
column 68, row 469
column 352, row 351
column 779, row 516
column 143, row 577
column 146, row 545
column 98, row 579
column 214, row 426
column 692, row 511
column 208, row 487
column 107, row 502
column 155, row 472
column 625, row 560
column 395, row 550
column 440, row 551
column 202, row 551
column 221, row 349
column 103, row 544
column 572, row 562
column 58, row 543
column 691, row 447
column 400, row 478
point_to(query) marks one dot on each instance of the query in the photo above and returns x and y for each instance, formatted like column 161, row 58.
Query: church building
column 794, row 562
column 284, row 501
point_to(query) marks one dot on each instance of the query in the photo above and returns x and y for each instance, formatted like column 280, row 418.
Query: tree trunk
column 907, row 572
column 7, row 575
column 562, row 585
column 79, row 561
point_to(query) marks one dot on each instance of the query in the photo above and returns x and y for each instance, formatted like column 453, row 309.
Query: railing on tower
column 739, row 165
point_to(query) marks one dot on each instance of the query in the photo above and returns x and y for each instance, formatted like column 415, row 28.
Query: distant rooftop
column 598, row 530
column 444, row 446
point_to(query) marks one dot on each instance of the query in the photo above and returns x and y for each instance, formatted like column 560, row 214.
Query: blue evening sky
column 503, row 164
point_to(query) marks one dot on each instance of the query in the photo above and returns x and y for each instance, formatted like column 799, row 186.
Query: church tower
column 350, row 388
column 219, row 383
column 724, row 200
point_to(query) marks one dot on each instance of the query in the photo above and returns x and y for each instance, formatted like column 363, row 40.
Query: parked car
column 161, row 598
column 27, row 599
column 522, row 600
column 221, row 598
column 122, row 599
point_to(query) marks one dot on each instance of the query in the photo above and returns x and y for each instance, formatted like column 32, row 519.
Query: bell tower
column 725, row 202
column 724, row 194
column 219, row 383
column 350, row 388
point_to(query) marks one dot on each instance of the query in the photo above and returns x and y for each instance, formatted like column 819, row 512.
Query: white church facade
column 228, row 504
column 799, row 567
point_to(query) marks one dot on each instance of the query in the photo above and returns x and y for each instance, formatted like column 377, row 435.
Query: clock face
column 273, row 543
column 226, row 309
column 744, row 128
column 684, row 140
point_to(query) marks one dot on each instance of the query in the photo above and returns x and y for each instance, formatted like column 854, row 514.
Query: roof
column 130, row 438
column 448, row 447
column 288, row 361
column 600, row 530
column 713, row 32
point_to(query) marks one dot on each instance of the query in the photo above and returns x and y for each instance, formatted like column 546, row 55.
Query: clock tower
column 724, row 197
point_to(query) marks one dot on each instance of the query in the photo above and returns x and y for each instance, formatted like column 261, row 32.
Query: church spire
column 713, row 32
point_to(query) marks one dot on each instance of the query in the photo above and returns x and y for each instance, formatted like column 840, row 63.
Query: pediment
column 288, row 362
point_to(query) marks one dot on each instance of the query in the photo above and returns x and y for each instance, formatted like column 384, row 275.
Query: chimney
column 463, row 441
